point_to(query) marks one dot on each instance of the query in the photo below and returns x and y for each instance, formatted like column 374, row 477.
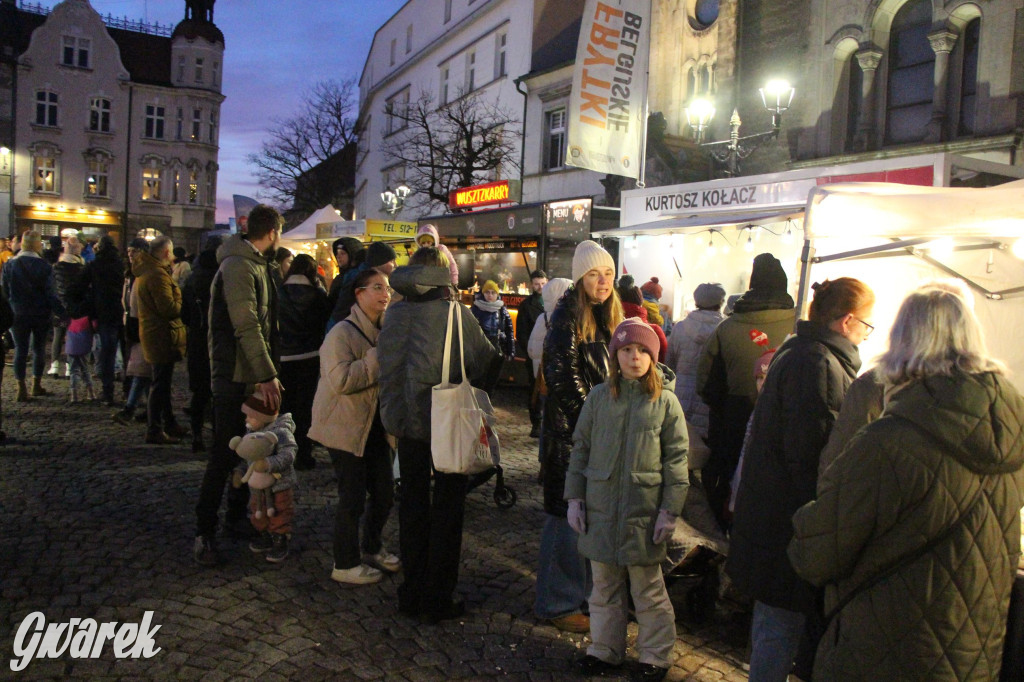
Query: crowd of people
column 874, row 522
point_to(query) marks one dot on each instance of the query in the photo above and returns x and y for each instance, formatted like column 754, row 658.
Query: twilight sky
column 275, row 50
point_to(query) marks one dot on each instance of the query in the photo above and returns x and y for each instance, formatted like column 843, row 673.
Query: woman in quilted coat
column 916, row 529
column 575, row 360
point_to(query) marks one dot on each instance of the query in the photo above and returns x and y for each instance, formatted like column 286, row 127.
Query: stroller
column 504, row 496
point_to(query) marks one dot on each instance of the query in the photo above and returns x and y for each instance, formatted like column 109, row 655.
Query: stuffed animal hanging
column 253, row 447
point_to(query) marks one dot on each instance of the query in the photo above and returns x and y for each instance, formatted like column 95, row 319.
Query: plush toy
column 253, row 447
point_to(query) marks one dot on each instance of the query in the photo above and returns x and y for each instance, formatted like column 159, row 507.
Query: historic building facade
column 115, row 128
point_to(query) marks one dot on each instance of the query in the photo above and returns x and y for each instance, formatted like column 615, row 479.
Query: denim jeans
column 108, row 335
column 429, row 530
column 160, row 414
column 81, row 376
column 369, row 475
column 228, row 421
column 37, row 328
column 140, row 386
column 563, row 576
column 774, row 638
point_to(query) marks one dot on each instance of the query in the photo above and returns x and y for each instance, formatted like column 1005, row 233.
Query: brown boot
column 23, row 396
column 37, row 387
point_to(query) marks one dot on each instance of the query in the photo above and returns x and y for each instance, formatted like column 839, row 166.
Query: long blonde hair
column 586, row 322
column 935, row 333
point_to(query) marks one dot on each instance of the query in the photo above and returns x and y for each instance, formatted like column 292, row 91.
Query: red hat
column 255, row 407
column 652, row 288
column 635, row 330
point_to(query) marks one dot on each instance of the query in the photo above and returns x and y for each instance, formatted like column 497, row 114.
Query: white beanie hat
column 553, row 291
column 589, row 255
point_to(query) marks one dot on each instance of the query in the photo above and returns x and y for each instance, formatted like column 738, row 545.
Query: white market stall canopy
column 306, row 230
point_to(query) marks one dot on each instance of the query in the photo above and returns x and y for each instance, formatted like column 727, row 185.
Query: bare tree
column 324, row 125
column 441, row 148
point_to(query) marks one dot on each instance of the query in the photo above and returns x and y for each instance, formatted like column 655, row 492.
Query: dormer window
column 76, row 52
column 199, row 69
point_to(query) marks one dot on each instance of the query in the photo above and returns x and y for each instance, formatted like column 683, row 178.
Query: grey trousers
column 609, row 611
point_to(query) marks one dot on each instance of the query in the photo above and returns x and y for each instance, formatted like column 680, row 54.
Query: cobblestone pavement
column 95, row 524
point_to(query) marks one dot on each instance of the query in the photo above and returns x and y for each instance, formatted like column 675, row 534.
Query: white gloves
column 664, row 526
column 577, row 516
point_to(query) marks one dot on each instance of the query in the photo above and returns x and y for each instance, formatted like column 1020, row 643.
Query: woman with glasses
column 802, row 394
column 346, row 419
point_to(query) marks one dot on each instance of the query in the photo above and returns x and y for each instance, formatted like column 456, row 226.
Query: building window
column 396, row 109
column 179, row 123
column 44, row 172
column 447, row 11
column 446, row 73
column 197, row 124
column 46, row 108
column 154, row 128
column 213, row 127
column 209, row 188
column 911, row 84
column 96, row 180
column 394, row 49
column 181, row 68
column 193, row 186
column 501, row 41
column 175, row 181
column 969, row 77
column 554, row 139
column 470, row 71
column 151, row 176
column 99, row 115
column 408, row 39
column 854, row 99
column 76, row 52
column 216, row 73
column 199, row 69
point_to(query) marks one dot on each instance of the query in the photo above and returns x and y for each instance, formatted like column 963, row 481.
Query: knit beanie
column 349, row 245
column 379, row 253
column 255, row 407
column 139, row 243
column 768, row 275
column 553, row 291
column 708, row 295
column 652, row 288
column 490, row 285
column 635, row 330
column 589, row 255
column 631, row 295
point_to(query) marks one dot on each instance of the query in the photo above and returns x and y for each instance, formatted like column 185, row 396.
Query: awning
column 693, row 224
column 306, row 230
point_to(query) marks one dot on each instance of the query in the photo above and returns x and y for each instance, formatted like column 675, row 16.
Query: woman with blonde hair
column 807, row 380
column 915, row 532
column 575, row 360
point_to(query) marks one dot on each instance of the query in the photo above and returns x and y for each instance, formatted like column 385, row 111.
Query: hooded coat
column 628, row 461
column 496, row 324
column 685, row 346
column 724, row 380
column 802, row 394
column 103, row 280
column 243, row 316
column 410, row 349
column 551, row 294
column 572, row 368
column 947, row 453
column 67, row 279
column 352, row 247
column 453, row 267
column 161, row 331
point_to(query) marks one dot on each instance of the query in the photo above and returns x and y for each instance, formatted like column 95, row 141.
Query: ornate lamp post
column 394, row 201
column 776, row 96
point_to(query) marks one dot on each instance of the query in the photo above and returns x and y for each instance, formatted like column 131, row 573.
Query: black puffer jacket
column 802, row 394
column 571, row 369
column 195, row 309
column 103, row 280
column 302, row 314
column 67, row 280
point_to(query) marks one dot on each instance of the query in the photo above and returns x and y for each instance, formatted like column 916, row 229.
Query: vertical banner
column 243, row 205
column 609, row 87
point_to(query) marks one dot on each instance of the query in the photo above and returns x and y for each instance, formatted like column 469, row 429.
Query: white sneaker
column 384, row 560
column 359, row 575
column 54, row 370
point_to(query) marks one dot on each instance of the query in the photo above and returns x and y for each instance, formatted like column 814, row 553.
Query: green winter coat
column 628, row 461
column 901, row 482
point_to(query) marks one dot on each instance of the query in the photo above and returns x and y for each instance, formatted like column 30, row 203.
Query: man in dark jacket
column 243, row 358
column 410, row 352
column 102, row 281
column 527, row 314
column 348, row 251
column 27, row 281
column 195, row 309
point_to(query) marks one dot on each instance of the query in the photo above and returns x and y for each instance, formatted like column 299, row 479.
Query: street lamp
column 394, row 201
column 776, row 96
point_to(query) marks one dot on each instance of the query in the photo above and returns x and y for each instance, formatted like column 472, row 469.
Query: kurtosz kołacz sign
column 723, row 197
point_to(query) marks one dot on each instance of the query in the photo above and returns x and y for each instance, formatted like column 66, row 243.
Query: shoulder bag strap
column 462, row 346
column 446, row 367
column 356, row 327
